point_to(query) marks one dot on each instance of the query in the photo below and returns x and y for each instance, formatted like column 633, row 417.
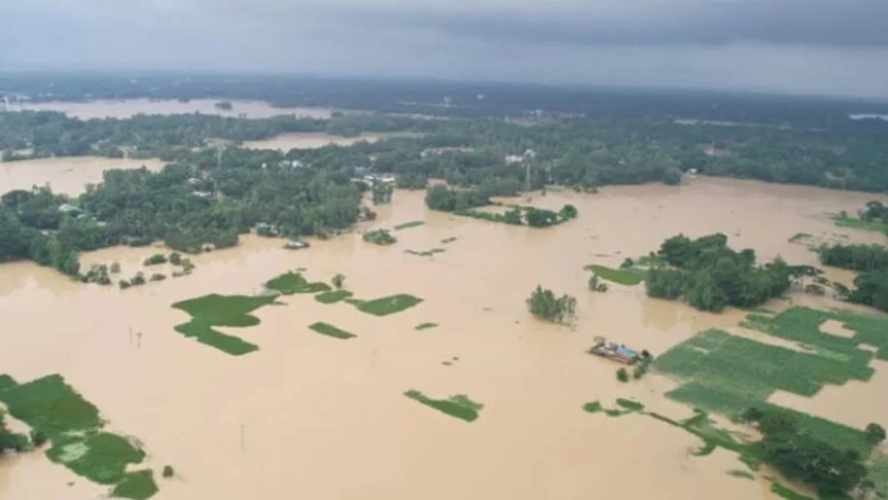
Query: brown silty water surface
column 309, row 416
column 127, row 108
column 67, row 175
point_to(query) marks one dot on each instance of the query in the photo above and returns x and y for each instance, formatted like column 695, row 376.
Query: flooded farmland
column 321, row 418
column 68, row 175
column 106, row 108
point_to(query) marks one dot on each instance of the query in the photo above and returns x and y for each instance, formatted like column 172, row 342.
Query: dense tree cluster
column 447, row 199
column 799, row 456
column 711, row 276
column 139, row 206
column 871, row 285
column 544, row 304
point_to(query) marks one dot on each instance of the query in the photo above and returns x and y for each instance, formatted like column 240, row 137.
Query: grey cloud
column 811, row 46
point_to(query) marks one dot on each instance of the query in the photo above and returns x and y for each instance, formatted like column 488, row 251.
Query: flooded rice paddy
column 313, row 416
column 126, row 108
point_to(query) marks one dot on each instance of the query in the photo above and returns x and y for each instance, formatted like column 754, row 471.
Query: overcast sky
column 799, row 46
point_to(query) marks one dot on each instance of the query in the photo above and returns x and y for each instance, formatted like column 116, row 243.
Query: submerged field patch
column 384, row 306
column 74, row 429
column 330, row 330
column 458, row 406
column 221, row 310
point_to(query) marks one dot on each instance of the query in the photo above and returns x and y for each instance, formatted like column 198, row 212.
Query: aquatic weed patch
column 293, row 282
column 426, row 253
column 75, row 432
column 408, row 225
column 330, row 330
column 386, row 305
column 459, row 406
column 221, row 310
column 628, row 277
column 333, row 296
column 425, row 326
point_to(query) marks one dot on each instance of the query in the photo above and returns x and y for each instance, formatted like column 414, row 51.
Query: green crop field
column 290, row 283
column 459, row 406
column 386, row 305
column 221, row 310
column 332, row 297
column 727, row 374
column 74, row 430
column 330, row 330
column 629, row 277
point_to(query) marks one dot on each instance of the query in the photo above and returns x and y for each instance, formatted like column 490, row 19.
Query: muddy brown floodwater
column 308, row 416
column 105, row 108
column 313, row 140
column 68, row 175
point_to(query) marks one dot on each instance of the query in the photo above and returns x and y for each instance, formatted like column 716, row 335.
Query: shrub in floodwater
column 155, row 259
column 38, row 437
column 115, row 268
column 338, row 280
column 875, row 433
column 545, row 305
column 622, row 375
column 176, row 259
column 168, row 471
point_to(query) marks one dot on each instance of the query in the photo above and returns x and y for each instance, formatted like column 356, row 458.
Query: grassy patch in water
column 330, row 330
column 386, row 305
column 858, row 223
column 333, row 296
column 221, row 310
column 74, row 430
column 290, row 283
column 459, row 406
column 800, row 237
column 427, row 253
column 629, row 277
column 425, row 326
column 449, row 240
column 137, row 485
column 784, row 492
column 593, row 407
column 408, row 225
column 741, row 474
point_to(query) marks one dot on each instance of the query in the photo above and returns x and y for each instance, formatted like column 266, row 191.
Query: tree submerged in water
column 543, row 304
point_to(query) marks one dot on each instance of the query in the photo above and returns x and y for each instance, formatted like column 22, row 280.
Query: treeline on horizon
column 427, row 96
column 575, row 152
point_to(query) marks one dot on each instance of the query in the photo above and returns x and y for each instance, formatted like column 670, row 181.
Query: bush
column 379, row 237
column 622, row 375
column 168, row 471
column 115, row 268
column 176, row 259
column 596, row 285
column 338, row 280
column 158, row 277
column 540, row 217
column 155, row 259
column 875, row 433
column 138, row 279
column 568, row 212
column 38, row 438
column 124, row 284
